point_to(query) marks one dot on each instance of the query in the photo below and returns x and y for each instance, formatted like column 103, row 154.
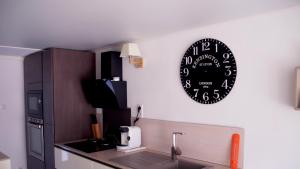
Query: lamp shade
column 130, row 49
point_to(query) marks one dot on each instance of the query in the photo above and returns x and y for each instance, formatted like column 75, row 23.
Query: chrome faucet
column 175, row 150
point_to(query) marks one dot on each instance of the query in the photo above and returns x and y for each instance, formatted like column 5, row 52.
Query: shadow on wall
column 292, row 76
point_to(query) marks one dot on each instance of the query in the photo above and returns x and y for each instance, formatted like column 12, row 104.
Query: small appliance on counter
column 130, row 138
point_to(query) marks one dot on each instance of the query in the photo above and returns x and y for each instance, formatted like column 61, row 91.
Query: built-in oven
column 35, row 138
column 34, row 101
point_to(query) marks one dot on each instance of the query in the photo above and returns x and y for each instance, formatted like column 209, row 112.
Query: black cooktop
column 90, row 146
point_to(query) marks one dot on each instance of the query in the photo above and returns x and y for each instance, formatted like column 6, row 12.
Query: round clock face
column 208, row 71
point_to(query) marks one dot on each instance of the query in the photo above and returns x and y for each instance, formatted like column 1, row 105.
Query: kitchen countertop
column 104, row 157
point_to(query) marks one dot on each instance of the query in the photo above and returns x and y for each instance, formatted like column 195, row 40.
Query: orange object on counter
column 96, row 129
column 235, row 149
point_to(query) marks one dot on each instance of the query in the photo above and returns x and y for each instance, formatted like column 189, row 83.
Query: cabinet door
column 100, row 166
column 33, row 68
column 66, row 160
column 70, row 69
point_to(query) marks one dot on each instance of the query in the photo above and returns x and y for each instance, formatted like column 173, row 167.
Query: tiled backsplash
column 210, row 143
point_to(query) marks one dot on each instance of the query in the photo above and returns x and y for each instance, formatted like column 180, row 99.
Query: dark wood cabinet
column 71, row 108
column 59, row 74
column 33, row 68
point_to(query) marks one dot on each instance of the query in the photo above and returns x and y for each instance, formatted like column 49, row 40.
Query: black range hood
column 109, row 94
column 105, row 92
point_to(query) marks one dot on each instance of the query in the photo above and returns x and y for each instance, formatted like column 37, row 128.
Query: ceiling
column 90, row 24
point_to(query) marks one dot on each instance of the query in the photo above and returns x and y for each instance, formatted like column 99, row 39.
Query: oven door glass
column 34, row 104
column 36, row 140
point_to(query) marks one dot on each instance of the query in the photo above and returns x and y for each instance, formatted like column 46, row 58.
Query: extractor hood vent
column 105, row 92
column 109, row 94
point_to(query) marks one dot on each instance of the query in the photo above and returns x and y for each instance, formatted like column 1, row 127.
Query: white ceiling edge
column 16, row 51
column 84, row 26
column 118, row 45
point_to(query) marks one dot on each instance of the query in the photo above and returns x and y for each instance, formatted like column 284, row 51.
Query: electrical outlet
column 141, row 110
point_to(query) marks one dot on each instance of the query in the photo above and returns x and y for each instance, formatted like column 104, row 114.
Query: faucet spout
column 174, row 149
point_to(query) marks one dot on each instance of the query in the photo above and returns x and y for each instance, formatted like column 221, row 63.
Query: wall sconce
column 132, row 51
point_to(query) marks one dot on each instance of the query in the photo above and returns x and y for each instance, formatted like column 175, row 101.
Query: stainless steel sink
column 150, row 160
column 181, row 164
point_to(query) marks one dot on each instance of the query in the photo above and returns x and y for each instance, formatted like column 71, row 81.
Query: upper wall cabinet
column 70, row 69
column 33, row 68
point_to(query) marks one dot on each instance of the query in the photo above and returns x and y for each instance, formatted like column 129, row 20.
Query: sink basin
column 181, row 164
column 150, row 160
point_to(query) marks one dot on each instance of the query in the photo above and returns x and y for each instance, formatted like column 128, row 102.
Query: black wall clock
column 208, row 71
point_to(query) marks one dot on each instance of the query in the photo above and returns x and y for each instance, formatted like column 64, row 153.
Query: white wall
column 12, row 116
column 267, row 50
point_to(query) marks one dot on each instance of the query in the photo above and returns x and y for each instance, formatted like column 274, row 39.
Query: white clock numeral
column 224, row 84
column 188, row 60
column 228, row 71
column 205, row 96
column 216, row 45
column 216, row 94
column 195, row 50
column 188, row 84
column 226, row 57
column 205, row 46
column 186, row 72
column 196, row 92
